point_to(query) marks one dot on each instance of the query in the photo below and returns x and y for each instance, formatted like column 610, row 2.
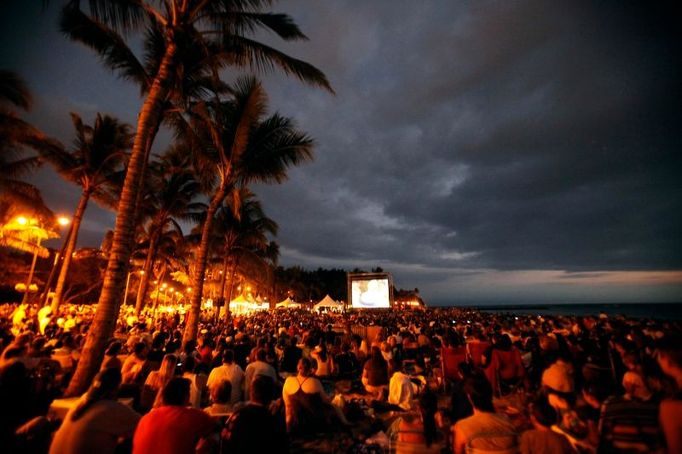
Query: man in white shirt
column 228, row 371
column 401, row 390
column 258, row 367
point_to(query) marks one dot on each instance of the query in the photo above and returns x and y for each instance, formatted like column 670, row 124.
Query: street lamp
column 26, row 234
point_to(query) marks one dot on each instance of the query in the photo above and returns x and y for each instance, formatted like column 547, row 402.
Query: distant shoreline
column 670, row 311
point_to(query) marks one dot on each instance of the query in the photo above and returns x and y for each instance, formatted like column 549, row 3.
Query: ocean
column 660, row 311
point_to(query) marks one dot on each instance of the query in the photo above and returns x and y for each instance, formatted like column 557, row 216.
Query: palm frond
column 108, row 44
column 245, row 52
column 14, row 90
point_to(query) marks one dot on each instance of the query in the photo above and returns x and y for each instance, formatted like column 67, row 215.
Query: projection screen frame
column 352, row 277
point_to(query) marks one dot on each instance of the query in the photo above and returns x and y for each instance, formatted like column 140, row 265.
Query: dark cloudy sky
column 488, row 151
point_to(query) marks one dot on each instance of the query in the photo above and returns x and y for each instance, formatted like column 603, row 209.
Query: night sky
column 484, row 152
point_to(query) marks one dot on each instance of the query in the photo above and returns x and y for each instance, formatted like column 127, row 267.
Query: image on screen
column 370, row 294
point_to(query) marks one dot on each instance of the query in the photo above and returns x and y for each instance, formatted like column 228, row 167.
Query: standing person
column 228, row 371
column 258, row 367
column 475, row 429
column 173, row 428
column 97, row 421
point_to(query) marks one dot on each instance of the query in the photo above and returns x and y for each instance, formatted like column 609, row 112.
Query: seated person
column 98, row 420
column 375, row 374
column 485, row 429
column 420, row 428
column 401, row 389
column 220, row 396
column 252, row 428
column 173, row 427
column 307, row 407
column 542, row 439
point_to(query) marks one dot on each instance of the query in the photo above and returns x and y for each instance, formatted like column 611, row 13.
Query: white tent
column 329, row 303
column 240, row 305
column 287, row 304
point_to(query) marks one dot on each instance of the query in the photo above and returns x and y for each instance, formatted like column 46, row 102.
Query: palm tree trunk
column 202, row 257
column 229, row 296
column 108, row 306
column 223, row 279
column 68, row 252
column 144, row 278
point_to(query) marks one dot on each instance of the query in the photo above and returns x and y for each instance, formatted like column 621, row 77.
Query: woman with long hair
column 307, row 406
column 98, row 420
column 157, row 379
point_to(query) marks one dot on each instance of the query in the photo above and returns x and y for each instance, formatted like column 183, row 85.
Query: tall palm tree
column 171, row 189
column 245, row 234
column 15, row 136
column 219, row 32
column 95, row 163
column 237, row 145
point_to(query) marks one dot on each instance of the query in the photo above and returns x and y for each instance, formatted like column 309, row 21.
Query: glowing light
column 22, row 220
column 63, row 221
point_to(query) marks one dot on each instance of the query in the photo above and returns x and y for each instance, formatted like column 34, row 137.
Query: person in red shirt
column 174, row 428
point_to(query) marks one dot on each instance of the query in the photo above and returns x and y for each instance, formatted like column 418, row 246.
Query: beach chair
column 450, row 359
column 494, row 443
column 400, row 443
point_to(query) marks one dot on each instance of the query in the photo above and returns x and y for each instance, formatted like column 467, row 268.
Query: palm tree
column 171, row 189
column 242, row 235
column 95, row 163
column 15, row 136
column 238, row 146
column 218, row 32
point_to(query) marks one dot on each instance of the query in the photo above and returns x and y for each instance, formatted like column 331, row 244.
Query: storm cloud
column 469, row 144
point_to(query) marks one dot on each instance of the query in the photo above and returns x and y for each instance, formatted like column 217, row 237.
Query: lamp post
column 32, row 224
column 63, row 221
column 125, row 295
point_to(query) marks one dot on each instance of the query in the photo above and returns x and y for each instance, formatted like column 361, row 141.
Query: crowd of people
column 434, row 380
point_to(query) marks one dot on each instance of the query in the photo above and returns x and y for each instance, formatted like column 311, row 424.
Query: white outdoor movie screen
column 370, row 293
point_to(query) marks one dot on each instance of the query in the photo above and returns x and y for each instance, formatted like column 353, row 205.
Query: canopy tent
column 287, row 304
column 240, row 305
column 329, row 303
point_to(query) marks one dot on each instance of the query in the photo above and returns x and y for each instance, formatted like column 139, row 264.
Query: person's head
column 189, row 365
column 114, row 349
column 222, row 393
column 542, row 413
column 140, row 350
column 104, row 386
column 261, row 354
column 262, row 389
column 304, row 367
column 669, row 356
column 480, row 392
column 228, row 356
column 176, row 392
column 168, row 365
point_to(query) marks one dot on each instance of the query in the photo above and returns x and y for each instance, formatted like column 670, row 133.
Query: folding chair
column 450, row 359
column 493, row 443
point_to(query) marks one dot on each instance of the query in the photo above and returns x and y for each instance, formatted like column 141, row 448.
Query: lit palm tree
column 237, row 145
column 95, row 163
column 219, row 33
column 243, row 235
column 170, row 193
